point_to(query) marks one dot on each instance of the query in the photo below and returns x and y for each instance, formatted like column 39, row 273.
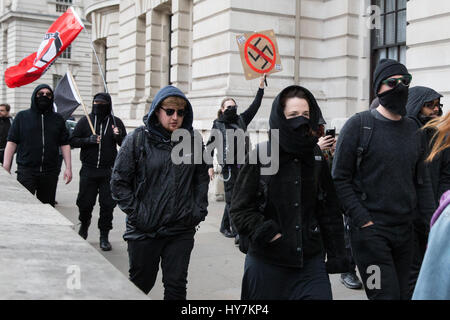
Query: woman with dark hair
column 292, row 218
column 228, row 118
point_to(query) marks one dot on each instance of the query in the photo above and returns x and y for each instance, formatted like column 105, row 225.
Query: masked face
column 101, row 109
column 394, row 99
column 299, row 125
column 44, row 100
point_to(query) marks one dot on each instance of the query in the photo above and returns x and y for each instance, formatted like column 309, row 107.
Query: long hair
column 219, row 112
column 441, row 139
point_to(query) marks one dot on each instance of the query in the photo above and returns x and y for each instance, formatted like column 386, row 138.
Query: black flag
column 66, row 97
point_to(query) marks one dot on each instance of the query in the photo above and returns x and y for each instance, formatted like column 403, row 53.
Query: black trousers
column 383, row 255
column 348, row 244
column 87, row 196
column 420, row 236
column 174, row 254
column 229, row 175
column 264, row 281
column 43, row 185
column 2, row 154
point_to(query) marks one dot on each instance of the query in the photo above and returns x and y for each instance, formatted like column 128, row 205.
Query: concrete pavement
column 41, row 257
column 216, row 267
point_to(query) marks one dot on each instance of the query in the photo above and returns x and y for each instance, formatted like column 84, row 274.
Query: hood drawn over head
column 277, row 118
column 33, row 96
column 417, row 97
column 169, row 91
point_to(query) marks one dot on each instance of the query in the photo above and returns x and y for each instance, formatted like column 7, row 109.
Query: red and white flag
column 58, row 37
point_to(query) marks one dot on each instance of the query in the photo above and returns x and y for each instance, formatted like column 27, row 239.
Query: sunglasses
column 431, row 105
column 170, row 112
column 393, row 82
column 40, row 94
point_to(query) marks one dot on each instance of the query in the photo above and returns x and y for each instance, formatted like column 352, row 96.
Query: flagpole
column 101, row 73
column 81, row 100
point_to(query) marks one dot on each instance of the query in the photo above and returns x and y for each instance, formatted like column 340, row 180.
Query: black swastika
column 266, row 48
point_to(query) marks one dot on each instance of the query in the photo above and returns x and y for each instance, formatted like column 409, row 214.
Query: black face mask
column 230, row 114
column 101, row 110
column 44, row 104
column 296, row 138
column 395, row 100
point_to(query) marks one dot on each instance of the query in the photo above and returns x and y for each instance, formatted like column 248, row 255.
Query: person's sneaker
column 83, row 232
column 350, row 280
column 104, row 242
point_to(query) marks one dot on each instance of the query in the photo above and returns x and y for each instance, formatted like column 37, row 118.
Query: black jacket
column 439, row 168
column 160, row 198
column 5, row 124
column 299, row 202
column 98, row 156
column 244, row 120
column 38, row 137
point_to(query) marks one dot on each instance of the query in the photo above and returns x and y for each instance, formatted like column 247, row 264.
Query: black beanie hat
column 385, row 69
column 102, row 97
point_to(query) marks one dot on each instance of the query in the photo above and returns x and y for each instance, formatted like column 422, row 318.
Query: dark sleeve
column 424, row 188
column 344, row 170
column 209, row 147
column 444, row 174
column 123, row 132
column 201, row 185
column 80, row 136
column 14, row 130
column 332, row 225
column 247, row 218
column 123, row 176
column 64, row 133
column 250, row 113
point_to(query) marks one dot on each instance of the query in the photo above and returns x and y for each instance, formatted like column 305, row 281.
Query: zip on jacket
column 43, row 141
column 102, row 134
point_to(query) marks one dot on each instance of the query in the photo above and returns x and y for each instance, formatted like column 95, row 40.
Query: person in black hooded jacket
column 292, row 220
column 98, row 153
column 424, row 104
column 37, row 134
column 228, row 119
column 164, row 201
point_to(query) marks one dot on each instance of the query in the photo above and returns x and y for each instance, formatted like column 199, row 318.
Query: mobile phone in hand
column 331, row 132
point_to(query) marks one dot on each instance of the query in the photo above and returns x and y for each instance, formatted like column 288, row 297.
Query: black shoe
column 350, row 280
column 227, row 234
column 236, row 240
column 104, row 243
column 83, row 232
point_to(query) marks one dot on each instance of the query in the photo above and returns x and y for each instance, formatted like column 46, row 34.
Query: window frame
column 375, row 48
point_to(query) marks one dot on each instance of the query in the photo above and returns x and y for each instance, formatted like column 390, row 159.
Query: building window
column 56, row 79
column 67, row 54
column 389, row 41
column 63, row 5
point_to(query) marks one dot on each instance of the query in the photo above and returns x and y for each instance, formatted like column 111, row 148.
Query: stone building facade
column 328, row 46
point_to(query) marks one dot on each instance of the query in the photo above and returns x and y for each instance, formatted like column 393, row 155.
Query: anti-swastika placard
column 259, row 53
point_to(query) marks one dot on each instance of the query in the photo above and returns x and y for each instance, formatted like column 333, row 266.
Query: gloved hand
column 94, row 139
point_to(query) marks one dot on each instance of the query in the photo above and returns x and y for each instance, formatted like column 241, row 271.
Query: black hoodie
column 38, row 137
column 98, row 159
column 309, row 227
column 440, row 167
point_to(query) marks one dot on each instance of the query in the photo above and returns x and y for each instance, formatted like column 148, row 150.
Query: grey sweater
column 388, row 174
